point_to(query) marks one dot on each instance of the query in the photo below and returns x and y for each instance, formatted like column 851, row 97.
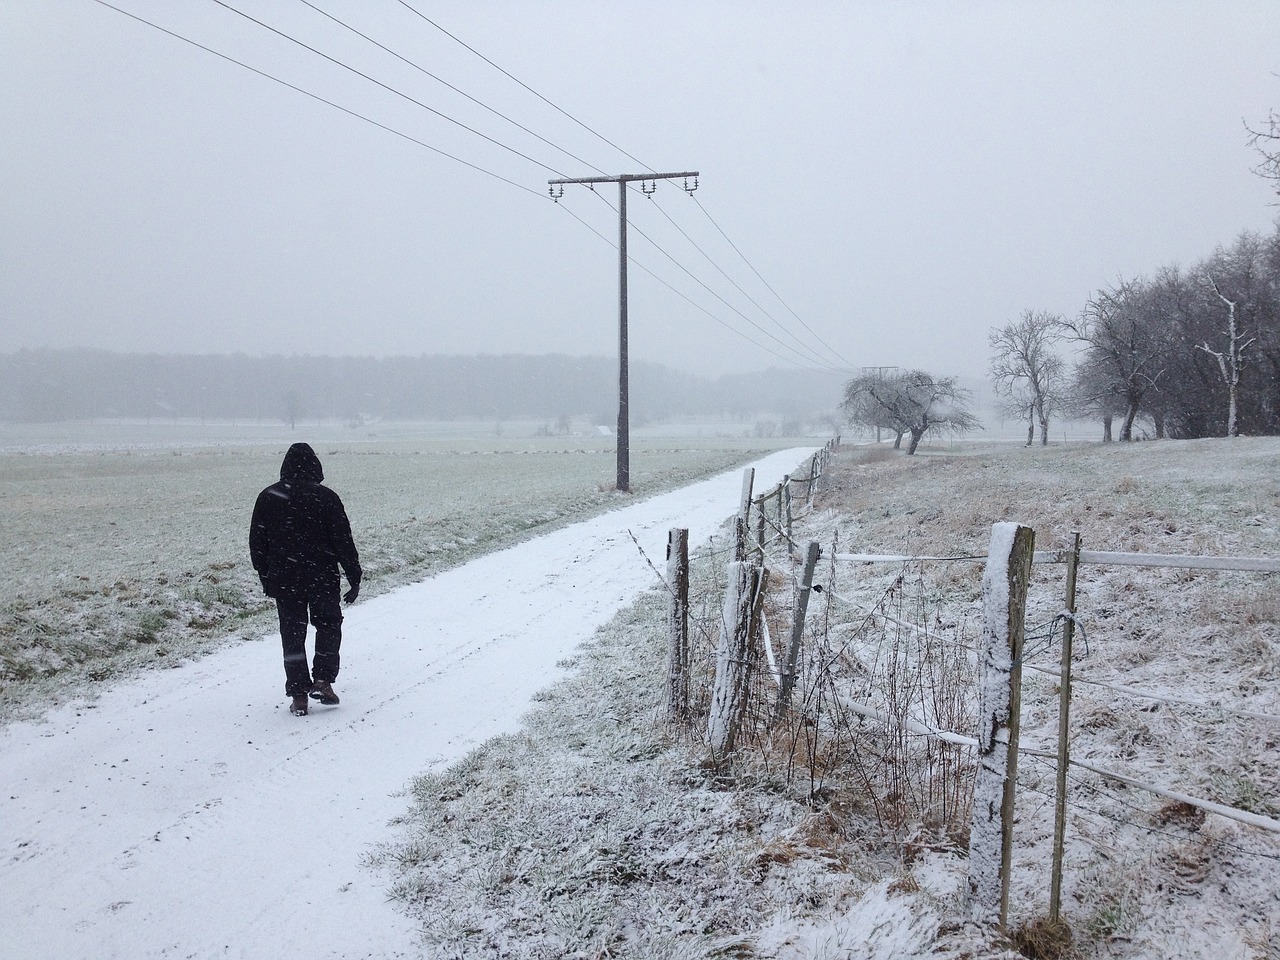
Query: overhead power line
column 527, row 87
column 683, row 296
column 384, row 86
column 784, row 345
column 804, row 362
column 767, row 284
column 320, row 99
column 441, row 80
column 812, row 353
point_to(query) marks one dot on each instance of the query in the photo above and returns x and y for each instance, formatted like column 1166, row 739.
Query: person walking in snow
column 298, row 538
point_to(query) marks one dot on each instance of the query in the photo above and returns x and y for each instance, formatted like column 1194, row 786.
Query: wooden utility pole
column 624, row 399
column 880, row 375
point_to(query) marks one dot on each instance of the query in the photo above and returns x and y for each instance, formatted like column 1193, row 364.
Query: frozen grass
column 1138, row 881
column 125, row 544
column 599, row 831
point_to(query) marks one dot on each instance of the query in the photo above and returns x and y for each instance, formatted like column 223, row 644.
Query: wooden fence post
column 1004, row 603
column 748, row 481
column 740, row 527
column 678, row 621
column 739, row 539
column 761, row 530
column 797, row 629
column 1064, row 734
column 784, row 504
column 735, row 655
column 781, row 528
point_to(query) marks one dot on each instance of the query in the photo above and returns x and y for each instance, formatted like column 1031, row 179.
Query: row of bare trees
column 1195, row 351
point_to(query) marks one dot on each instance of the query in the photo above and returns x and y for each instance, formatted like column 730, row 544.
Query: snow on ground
column 134, row 558
column 596, row 832
column 185, row 813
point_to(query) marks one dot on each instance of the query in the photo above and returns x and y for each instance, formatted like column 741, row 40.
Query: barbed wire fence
column 886, row 697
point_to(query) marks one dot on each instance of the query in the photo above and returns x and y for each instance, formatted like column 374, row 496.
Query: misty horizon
column 52, row 385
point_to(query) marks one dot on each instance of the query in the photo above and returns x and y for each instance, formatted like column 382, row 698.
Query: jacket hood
column 301, row 465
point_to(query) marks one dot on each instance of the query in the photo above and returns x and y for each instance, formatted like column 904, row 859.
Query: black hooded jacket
column 300, row 534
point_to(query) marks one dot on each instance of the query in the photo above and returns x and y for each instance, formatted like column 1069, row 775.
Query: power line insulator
column 556, row 191
column 649, row 187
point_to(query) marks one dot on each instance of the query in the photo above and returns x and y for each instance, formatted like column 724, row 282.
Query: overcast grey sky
column 905, row 175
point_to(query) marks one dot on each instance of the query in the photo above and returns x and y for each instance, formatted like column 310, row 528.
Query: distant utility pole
column 648, row 183
column 880, row 375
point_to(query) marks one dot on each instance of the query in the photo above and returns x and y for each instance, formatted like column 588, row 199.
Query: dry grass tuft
column 904, row 884
column 877, row 454
column 1043, row 940
column 1175, row 812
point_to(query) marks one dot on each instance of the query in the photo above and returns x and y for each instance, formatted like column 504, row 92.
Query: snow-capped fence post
column 797, row 629
column 735, row 655
column 1004, row 603
column 813, row 480
column 740, row 524
column 1064, row 732
column 678, row 620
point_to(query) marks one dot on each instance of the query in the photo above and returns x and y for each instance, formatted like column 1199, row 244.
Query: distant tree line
column 1191, row 353
column 50, row 385
column 1195, row 352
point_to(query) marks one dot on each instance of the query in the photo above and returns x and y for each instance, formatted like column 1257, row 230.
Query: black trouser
column 325, row 611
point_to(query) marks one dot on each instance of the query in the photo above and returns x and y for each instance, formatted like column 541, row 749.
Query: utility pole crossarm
column 627, row 177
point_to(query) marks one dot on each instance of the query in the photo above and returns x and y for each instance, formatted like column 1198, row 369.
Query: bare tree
column 1230, row 363
column 1126, row 347
column 1266, row 140
column 910, row 402
column 1026, row 371
column 1091, row 394
column 869, row 401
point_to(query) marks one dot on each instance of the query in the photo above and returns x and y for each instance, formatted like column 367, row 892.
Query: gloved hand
column 266, row 586
column 350, row 595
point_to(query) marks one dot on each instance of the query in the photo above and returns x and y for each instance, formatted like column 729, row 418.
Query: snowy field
column 125, row 543
column 593, row 829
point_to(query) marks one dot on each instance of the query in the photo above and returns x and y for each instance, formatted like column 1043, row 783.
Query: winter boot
column 322, row 690
column 299, row 706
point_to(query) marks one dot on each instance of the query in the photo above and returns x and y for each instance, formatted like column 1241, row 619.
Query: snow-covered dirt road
column 185, row 813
